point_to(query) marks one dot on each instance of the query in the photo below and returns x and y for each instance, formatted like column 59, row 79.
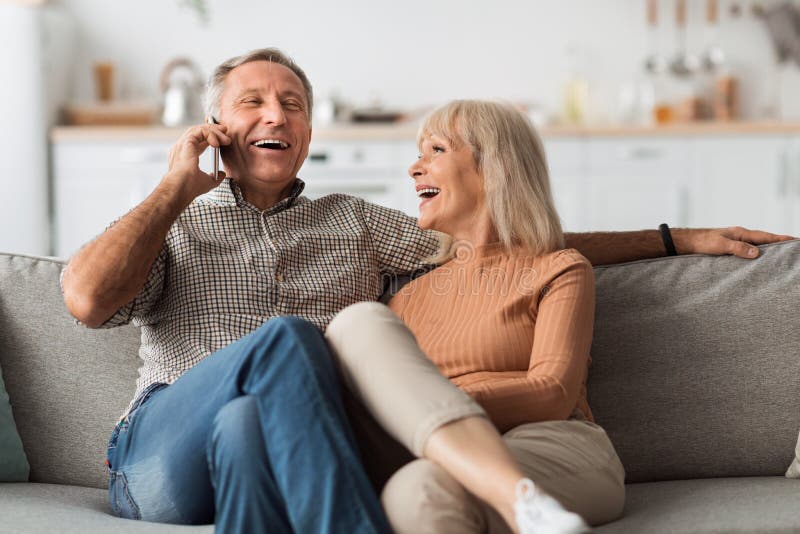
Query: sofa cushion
column 28, row 507
column 69, row 384
column 696, row 364
column 13, row 463
column 750, row 504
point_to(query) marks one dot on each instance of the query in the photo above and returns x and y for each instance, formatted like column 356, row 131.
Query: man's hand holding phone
column 184, row 159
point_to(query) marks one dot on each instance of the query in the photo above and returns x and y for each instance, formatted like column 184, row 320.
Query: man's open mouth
column 271, row 144
column 428, row 192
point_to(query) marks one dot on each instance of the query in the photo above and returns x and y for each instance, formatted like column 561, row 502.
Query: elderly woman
column 508, row 441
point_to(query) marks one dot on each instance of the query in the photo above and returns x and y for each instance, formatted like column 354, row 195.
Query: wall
column 420, row 52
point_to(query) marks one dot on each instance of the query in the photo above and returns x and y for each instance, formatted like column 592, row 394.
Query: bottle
column 576, row 91
column 662, row 98
column 725, row 98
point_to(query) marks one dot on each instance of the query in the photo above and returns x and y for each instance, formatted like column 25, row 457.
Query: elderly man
column 202, row 274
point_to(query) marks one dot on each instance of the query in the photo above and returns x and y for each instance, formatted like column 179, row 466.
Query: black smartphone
column 212, row 120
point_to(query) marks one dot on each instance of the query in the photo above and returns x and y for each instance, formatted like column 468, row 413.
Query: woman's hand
column 184, row 160
column 735, row 240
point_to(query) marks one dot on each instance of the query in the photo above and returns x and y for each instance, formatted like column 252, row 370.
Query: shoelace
column 525, row 491
column 525, row 488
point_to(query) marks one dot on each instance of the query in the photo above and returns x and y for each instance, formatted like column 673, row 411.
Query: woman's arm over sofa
column 603, row 248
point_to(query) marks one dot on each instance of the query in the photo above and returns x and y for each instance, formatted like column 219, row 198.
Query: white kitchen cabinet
column 566, row 162
column 634, row 184
column 698, row 181
column 599, row 183
column 96, row 182
column 751, row 181
column 791, row 182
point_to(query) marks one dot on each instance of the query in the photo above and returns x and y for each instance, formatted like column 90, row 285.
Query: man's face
column 264, row 106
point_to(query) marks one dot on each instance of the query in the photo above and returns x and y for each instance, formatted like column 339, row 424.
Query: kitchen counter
column 709, row 128
column 408, row 131
column 344, row 132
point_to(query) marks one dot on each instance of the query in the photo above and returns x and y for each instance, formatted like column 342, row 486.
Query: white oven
column 374, row 171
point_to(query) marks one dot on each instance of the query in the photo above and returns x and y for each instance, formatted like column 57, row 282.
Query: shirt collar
column 230, row 194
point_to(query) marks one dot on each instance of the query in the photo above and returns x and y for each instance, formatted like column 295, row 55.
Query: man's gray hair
column 216, row 83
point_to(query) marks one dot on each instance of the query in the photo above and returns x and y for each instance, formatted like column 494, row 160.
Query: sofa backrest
column 67, row 384
column 696, row 364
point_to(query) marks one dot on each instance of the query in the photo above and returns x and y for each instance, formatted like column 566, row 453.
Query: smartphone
column 212, row 120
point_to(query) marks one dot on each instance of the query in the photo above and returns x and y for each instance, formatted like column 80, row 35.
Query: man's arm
column 602, row 248
column 400, row 244
column 110, row 271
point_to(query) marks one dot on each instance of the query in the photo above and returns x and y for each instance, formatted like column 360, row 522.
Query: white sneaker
column 539, row 513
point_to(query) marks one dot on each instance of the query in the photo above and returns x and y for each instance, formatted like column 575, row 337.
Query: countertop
column 408, row 131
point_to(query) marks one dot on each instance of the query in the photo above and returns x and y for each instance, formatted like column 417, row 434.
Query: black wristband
column 666, row 237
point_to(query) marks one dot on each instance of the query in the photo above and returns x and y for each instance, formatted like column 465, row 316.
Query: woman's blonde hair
column 509, row 154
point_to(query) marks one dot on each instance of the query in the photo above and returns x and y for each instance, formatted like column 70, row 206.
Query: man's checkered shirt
column 226, row 267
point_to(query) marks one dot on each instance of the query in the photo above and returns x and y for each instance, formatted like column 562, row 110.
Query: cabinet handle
column 783, row 176
column 643, row 152
column 318, row 157
column 684, row 201
column 350, row 189
column 141, row 155
column 794, row 170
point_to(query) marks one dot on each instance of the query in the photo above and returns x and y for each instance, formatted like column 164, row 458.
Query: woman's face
column 450, row 188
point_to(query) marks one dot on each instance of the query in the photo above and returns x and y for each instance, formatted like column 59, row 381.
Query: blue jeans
column 253, row 438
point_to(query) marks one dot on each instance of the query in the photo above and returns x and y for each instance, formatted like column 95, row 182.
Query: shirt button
column 279, row 277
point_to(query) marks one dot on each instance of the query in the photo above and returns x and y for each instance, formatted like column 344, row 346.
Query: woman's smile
column 427, row 193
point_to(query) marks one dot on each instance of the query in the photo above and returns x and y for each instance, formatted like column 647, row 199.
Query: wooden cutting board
column 110, row 114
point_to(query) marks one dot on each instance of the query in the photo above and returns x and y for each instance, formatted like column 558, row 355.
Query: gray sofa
column 695, row 376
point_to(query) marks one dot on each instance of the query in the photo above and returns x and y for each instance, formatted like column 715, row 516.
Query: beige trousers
column 397, row 388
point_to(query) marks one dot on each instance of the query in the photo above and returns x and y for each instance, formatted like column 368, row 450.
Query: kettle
column 181, row 85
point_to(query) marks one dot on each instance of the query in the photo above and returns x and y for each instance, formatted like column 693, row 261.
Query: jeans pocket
column 112, row 447
column 121, row 502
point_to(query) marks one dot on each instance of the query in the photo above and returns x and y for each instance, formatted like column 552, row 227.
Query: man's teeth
column 271, row 143
column 428, row 192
